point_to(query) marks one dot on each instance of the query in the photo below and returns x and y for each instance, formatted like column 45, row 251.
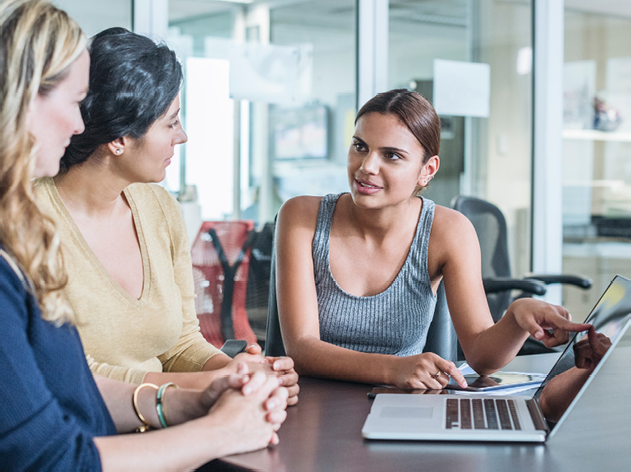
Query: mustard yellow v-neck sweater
column 124, row 338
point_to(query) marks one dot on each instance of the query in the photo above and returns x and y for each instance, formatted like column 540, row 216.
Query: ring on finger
column 437, row 375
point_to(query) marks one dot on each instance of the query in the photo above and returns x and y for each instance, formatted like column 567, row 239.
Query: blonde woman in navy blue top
column 53, row 415
column 357, row 273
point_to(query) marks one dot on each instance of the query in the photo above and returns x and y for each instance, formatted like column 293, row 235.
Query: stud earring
column 118, row 151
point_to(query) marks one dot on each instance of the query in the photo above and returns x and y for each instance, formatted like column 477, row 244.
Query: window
column 596, row 146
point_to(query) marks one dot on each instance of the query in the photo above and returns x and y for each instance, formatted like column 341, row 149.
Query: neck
column 92, row 188
column 382, row 222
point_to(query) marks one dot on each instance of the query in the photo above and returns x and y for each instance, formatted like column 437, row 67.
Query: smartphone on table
column 232, row 347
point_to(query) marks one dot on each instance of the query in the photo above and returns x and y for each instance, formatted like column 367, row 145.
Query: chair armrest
column 576, row 280
column 501, row 284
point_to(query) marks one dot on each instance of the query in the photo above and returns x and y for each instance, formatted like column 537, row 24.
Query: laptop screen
column 609, row 316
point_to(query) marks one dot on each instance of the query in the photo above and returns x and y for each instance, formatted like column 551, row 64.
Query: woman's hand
column 248, row 385
column 548, row 323
column 426, row 370
column 249, row 421
column 282, row 367
column 589, row 351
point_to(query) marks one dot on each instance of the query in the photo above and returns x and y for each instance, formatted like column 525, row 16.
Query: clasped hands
column 252, row 401
column 281, row 367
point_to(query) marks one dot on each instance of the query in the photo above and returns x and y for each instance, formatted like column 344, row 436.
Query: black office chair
column 441, row 337
column 490, row 226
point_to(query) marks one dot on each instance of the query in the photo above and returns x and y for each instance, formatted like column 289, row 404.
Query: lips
column 366, row 188
column 366, row 184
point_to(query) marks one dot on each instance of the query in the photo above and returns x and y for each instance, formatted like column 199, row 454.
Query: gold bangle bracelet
column 145, row 424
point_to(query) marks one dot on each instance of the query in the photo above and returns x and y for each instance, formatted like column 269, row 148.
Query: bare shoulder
column 299, row 212
column 452, row 229
column 446, row 219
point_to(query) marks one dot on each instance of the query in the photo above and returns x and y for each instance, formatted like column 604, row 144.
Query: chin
column 40, row 173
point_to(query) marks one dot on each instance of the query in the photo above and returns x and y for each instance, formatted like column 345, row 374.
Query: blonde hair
column 38, row 43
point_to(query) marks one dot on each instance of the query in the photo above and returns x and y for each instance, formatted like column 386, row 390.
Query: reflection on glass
column 596, row 147
column 275, row 120
column 609, row 317
column 490, row 157
column 95, row 15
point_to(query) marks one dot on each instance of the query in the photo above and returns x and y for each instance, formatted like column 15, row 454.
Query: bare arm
column 244, row 415
column 298, row 311
column 487, row 346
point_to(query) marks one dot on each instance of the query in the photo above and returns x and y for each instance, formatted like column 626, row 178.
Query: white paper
column 462, row 88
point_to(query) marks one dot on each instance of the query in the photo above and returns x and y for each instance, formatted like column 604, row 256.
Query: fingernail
column 271, row 404
column 280, row 380
column 247, row 389
column 276, row 365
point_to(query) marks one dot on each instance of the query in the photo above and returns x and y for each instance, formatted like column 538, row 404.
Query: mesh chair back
column 490, row 226
column 257, row 297
column 210, row 277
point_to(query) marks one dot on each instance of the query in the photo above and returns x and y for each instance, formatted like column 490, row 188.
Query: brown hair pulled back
column 414, row 111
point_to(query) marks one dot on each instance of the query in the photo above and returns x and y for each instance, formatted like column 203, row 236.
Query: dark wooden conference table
column 323, row 433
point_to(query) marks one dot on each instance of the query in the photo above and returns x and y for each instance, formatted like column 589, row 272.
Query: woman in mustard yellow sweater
column 123, row 237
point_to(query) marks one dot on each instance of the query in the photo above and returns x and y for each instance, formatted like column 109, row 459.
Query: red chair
column 221, row 256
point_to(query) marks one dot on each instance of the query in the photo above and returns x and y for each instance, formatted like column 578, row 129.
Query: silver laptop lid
column 621, row 341
column 609, row 316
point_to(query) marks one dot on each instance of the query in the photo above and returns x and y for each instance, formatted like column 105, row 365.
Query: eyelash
column 174, row 124
column 358, row 146
column 391, row 156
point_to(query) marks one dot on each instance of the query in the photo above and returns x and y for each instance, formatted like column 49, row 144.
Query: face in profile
column 148, row 157
column 55, row 117
column 385, row 161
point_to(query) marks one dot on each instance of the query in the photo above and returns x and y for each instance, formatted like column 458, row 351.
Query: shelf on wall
column 595, row 135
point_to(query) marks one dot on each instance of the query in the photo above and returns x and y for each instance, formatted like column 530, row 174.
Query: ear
column 428, row 171
column 117, row 147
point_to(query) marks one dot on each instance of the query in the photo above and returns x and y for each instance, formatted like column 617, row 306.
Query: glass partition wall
column 597, row 146
column 485, row 153
column 95, row 15
column 269, row 98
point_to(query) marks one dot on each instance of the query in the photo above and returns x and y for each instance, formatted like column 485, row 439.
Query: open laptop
column 452, row 417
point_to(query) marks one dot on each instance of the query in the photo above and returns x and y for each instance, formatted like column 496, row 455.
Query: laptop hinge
column 537, row 418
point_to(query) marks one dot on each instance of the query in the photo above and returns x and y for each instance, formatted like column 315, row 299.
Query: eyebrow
column 391, row 149
column 177, row 112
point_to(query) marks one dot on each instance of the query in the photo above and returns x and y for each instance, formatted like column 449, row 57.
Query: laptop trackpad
column 406, row 412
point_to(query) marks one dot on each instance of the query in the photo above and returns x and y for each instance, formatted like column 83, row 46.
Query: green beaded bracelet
column 160, row 403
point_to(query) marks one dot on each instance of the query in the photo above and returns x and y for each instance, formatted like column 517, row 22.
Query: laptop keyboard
column 476, row 413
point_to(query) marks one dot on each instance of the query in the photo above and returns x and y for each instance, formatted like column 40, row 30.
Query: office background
column 271, row 88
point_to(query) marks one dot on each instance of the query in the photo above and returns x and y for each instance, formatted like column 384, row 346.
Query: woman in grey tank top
column 357, row 273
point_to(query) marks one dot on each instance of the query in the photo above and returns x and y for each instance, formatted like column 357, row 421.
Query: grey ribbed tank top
column 394, row 321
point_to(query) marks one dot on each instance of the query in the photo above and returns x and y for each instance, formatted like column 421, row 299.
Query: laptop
column 452, row 417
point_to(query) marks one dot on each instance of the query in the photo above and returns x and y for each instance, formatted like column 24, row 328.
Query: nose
column 370, row 164
column 79, row 125
column 181, row 137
